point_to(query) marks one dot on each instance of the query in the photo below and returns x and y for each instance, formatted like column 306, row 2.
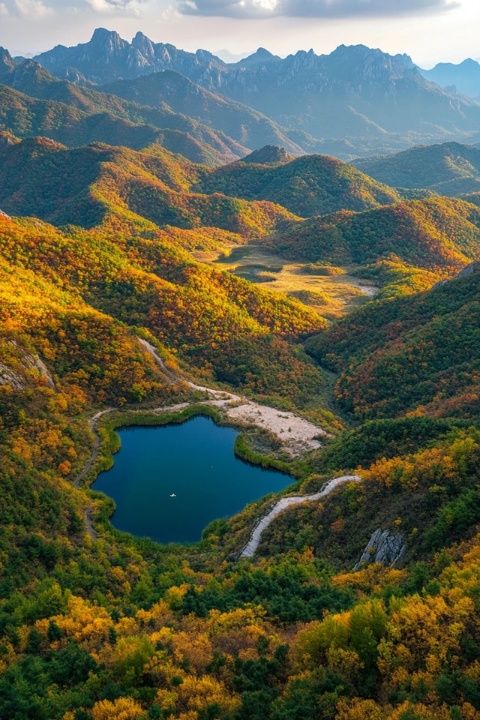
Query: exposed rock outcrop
column 9, row 377
column 384, row 547
column 15, row 372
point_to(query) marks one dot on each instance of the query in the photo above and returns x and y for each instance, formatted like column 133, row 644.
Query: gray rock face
column 384, row 547
column 17, row 378
column 469, row 270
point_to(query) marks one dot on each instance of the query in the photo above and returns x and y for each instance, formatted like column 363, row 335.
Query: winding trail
column 88, row 514
column 92, row 422
column 287, row 502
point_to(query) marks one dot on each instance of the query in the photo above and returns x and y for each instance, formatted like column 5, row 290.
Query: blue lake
column 195, row 462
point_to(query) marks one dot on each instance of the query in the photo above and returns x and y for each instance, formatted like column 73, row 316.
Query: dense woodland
column 97, row 250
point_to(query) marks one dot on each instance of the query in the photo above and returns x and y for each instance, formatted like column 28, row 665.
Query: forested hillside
column 24, row 117
column 100, row 181
column 309, row 185
column 167, row 101
column 418, row 355
column 403, row 247
column 245, row 125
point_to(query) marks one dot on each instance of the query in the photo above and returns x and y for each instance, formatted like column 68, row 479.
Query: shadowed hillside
column 247, row 126
column 449, row 169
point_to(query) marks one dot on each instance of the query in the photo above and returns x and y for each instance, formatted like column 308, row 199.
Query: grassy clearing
column 332, row 291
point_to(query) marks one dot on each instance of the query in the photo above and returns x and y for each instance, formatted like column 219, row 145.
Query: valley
column 239, row 386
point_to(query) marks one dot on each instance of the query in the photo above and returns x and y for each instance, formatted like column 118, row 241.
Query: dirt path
column 88, row 514
column 295, row 434
column 92, row 422
column 287, row 502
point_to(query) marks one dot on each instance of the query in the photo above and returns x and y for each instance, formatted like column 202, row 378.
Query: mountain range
column 175, row 106
column 355, row 101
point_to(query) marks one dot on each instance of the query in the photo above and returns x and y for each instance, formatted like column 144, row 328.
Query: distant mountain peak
column 102, row 35
column 140, row 37
column 463, row 77
column 470, row 63
column 268, row 155
column 259, row 56
column 143, row 43
column 361, row 49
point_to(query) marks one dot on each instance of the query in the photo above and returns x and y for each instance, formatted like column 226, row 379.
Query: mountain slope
column 436, row 234
column 210, row 318
column 309, row 185
column 415, row 355
column 447, row 169
column 199, row 142
column 26, row 117
column 246, row 126
column 165, row 100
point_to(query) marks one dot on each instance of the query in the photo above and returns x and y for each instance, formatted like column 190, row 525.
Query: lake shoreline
column 209, row 482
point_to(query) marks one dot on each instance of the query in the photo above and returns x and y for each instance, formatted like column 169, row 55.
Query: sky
column 428, row 30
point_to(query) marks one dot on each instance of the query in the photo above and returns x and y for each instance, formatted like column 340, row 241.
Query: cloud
column 313, row 8
column 32, row 9
column 115, row 7
column 3, row 10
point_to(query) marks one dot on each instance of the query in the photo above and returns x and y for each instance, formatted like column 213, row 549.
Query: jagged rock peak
column 143, row 44
column 107, row 38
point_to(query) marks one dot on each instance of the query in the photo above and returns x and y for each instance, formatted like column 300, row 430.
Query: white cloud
column 33, row 9
column 3, row 10
column 116, row 7
column 313, row 8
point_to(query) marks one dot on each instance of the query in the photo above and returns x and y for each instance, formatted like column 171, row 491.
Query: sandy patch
column 295, row 434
